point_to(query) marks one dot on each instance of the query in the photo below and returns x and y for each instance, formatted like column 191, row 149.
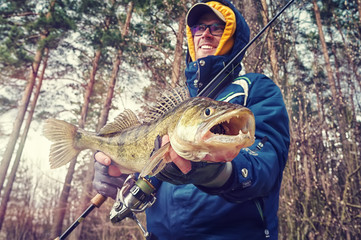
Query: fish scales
column 131, row 148
column 200, row 129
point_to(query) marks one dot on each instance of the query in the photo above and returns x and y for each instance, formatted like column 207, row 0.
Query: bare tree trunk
column 87, row 189
column 357, row 79
column 270, row 44
column 324, row 49
column 59, row 213
column 337, row 98
column 176, row 66
column 116, row 64
column 23, row 106
column 250, row 10
column 351, row 166
column 11, row 178
column 304, row 148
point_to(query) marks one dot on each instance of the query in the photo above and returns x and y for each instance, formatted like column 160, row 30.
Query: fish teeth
column 244, row 130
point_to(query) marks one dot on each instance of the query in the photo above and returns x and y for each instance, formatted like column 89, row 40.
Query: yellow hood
column 226, row 42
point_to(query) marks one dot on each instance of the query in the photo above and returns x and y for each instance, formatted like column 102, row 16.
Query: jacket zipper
column 260, row 211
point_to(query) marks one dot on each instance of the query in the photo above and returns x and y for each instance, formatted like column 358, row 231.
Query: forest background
column 84, row 61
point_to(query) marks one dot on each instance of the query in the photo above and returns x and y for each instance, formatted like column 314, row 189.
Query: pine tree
column 44, row 26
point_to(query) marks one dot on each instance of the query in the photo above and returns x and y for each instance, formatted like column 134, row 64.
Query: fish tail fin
column 62, row 134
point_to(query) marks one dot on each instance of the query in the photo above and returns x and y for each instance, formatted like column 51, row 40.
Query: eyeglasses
column 215, row 29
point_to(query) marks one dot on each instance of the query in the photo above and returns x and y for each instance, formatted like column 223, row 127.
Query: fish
column 199, row 129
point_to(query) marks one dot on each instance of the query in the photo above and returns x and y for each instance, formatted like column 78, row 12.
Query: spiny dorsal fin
column 167, row 101
column 124, row 120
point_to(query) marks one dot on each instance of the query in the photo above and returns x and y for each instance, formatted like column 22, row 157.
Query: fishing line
column 263, row 38
column 214, row 86
column 261, row 41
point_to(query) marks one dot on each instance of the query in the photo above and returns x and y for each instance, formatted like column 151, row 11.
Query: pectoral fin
column 156, row 162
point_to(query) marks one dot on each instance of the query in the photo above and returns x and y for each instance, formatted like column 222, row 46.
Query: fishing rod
column 96, row 201
column 218, row 82
column 137, row 194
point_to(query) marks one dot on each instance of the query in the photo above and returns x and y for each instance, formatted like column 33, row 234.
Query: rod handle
column 98, row 200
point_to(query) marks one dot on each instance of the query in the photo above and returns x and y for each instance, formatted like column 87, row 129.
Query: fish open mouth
column 231, row 125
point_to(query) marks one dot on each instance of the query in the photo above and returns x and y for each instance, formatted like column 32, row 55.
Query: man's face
column 207, row 44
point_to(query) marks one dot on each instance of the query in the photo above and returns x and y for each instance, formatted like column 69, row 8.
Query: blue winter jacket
column 246, row 207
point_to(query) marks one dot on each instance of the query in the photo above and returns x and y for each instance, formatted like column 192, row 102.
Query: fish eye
column 208, row 111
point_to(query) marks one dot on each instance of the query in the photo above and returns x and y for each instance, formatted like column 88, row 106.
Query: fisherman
column 233, row 200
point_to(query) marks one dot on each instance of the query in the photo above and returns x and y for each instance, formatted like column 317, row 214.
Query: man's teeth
column 207, row 46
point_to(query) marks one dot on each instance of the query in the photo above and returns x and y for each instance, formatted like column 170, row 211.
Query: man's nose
column 207, row 33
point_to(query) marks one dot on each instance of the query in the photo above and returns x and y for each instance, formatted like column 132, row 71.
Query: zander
column 199, row 129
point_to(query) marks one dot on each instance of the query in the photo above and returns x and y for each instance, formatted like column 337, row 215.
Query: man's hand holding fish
column 177, row 171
